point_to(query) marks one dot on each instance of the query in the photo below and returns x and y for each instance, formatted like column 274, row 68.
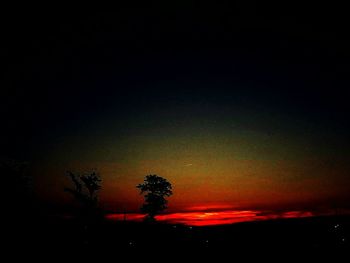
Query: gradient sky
column 237, row 108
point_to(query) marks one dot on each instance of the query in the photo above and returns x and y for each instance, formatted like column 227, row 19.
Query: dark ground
column 312, row 237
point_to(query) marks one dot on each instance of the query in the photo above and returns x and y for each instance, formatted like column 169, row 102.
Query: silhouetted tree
column 85, row 188
column 85, row 191
column 155, row 189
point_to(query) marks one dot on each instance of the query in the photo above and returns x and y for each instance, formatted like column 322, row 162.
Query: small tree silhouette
column 85, row 188
column 155, row 189
column 85, row 191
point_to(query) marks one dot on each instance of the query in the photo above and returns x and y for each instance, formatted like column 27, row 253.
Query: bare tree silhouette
column 85, row 188
column 155, row 188
column 85, row 191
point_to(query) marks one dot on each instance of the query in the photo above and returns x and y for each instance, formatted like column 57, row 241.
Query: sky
column 239, row 108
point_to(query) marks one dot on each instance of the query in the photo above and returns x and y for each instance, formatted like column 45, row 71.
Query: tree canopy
column 155, row 189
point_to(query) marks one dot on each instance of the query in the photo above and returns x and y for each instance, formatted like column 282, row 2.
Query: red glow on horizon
column 128, row 216
column 209, row 207
column 212, row 218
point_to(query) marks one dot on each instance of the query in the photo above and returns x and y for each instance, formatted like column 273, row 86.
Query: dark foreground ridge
column 314, row 235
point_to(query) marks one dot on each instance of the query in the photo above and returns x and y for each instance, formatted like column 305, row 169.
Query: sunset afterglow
column 238, row 117
column 212, row 218
column 176, row 129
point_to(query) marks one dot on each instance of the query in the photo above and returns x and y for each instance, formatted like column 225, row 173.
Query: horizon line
column 223, row 217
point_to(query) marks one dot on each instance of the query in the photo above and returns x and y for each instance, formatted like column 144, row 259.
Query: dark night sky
column 142, row 89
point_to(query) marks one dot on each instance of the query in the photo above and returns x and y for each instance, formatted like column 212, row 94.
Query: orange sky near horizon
column 242, row 159
column 211, row 179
